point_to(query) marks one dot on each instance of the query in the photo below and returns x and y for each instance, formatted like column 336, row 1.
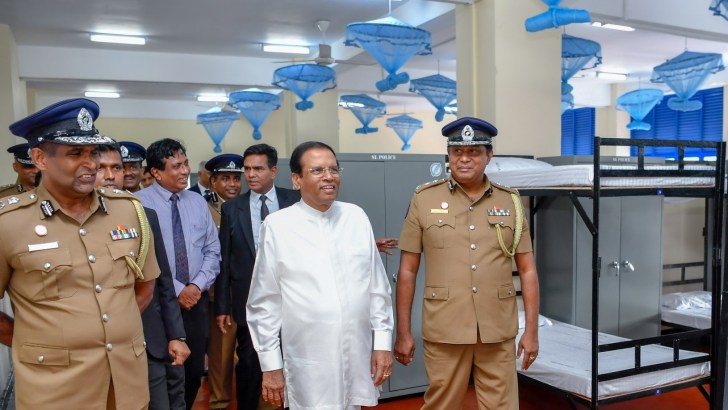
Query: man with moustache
column 225, row 183
column 79, row 265
column 319, row 304
column 203, row 180
column 163, row 328
column 240, row 225
column 24, row 167
column 132, row 155
column 193, row 248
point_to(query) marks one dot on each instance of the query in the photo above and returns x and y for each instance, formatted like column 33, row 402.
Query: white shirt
column 320, row 283
column 255, row 205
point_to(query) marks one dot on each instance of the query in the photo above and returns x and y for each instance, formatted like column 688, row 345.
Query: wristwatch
column 182, row 339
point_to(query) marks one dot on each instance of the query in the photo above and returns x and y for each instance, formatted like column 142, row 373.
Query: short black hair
column 159, row 151
column 263, row 149
column 301, row 149
column 113, row 147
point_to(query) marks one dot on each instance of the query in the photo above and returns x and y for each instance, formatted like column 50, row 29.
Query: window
column 577, row 132
column 705, row 124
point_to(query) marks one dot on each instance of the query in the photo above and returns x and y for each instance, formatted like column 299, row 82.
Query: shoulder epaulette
column 13, row 202
column 505, row 188
column 116, row 194
column 430, row 184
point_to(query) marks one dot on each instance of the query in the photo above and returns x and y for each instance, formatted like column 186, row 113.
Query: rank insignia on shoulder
column 122, row 232
column 495, row 211
column 13, row 200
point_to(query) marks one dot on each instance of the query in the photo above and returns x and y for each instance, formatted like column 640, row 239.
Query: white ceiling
column 212, row 46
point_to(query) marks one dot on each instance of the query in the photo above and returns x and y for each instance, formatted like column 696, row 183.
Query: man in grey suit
column 239, row 234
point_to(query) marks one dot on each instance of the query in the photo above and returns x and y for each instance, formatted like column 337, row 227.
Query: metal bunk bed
column 716, row 334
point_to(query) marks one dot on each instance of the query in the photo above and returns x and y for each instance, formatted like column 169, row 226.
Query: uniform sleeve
column 264, row 304
column 410, row 239
column 380, row 299
column 525, row 245
column 151, row 267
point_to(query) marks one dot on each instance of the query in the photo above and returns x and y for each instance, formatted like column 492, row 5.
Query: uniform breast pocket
column 49, row 275
column 121, row 275
column 439, row 231
column 506, row 225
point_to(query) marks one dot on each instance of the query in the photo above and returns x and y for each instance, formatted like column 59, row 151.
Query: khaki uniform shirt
column 468, row 279
column 12, row 189
column 77, row 324
column 216, row 212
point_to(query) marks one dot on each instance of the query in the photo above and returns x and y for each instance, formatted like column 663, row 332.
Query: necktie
column 180, row 252
column 263, row 208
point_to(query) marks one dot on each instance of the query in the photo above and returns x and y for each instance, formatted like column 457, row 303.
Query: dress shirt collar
column 271, row 195
column 315, row 213
column 163, row 193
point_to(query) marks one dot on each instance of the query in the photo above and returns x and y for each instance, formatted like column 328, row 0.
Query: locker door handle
column 615, row 265
column 628, row 265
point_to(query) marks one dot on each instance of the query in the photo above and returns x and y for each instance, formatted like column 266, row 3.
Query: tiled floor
column 536, row 398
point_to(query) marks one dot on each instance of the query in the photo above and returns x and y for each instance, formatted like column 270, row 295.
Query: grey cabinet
column 630, row 248
column 383, row 184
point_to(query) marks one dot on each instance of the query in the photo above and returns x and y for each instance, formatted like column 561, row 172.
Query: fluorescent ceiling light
column 102, row 94
column 212, row 98
column 287, row 49
column 611, row 76
column 612, row 26
column 108, row 38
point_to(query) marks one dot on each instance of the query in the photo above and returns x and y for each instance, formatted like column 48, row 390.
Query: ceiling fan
column 324, row 49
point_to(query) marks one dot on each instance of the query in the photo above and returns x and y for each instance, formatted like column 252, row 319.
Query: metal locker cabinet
column 630, row 247
column 383, row 184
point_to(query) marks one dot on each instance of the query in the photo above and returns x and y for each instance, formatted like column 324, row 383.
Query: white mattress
column 564, row 362
column 583, row 175
column 697, row 318
column 691, row 309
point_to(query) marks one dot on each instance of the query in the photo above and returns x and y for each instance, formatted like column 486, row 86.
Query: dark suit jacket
column 162, row 320
column 195, row 188
column 238, row 253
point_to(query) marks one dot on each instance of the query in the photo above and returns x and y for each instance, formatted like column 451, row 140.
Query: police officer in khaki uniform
column 79, row 265
column 226, row 172
column 24, row 167
column 470, row 230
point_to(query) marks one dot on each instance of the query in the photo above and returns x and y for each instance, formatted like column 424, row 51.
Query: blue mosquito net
column 638, row 104
column 684, row 74
column 556, row 17
column 217, row 123
column 576, row 54
column 719, row 8
column 439, row 91
column 255, row 105
column 305, row 80
column 405, row 127
column 365, row 109
column 392, row 43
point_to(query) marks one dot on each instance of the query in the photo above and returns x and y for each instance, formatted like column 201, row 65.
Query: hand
column 384, row 244
column 223, row 322
column 179, row 351
column 528, row 347
column 189, row 296
column 381, row 366
column 404, row 348
column 273, row 383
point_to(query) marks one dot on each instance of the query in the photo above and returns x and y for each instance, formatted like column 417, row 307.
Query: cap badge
column 41, row 230
column 231, row 165
column 467, row 133
column 124, row 152
column 85, row 121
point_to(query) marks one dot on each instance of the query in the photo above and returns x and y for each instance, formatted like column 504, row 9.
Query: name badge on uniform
column 122, row 232
column 438, row 211
column 42, row 246
column 495, row 211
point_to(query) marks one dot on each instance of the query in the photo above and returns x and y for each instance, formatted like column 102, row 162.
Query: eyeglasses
column 319, row 171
